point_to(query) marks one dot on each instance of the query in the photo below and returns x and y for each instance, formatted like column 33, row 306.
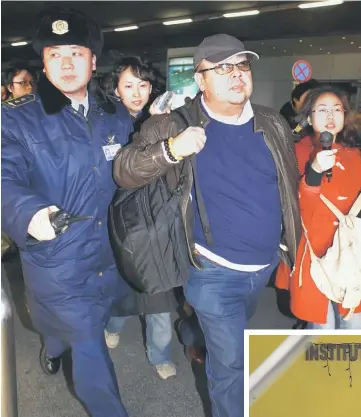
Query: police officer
column 57, row 151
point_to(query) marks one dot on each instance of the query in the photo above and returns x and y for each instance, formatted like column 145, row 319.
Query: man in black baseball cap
column 248, row 178
column 223, row 73
column 63, row 139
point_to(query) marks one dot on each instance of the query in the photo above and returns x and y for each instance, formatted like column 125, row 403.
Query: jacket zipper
column 289, row 201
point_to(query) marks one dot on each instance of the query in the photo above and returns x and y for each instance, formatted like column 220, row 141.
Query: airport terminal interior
column 296, row 41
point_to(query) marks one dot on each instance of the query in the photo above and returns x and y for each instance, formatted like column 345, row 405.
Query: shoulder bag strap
column 200, row 202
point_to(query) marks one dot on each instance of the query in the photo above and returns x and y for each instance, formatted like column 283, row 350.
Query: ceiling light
column 320, row 49
column 19, row 43
column 328, row 53
column 300, row 40
column 352, row 43
column 240, row 14
column 343, row 37
column 274, row 47
column 126, row 28
column 311, row 46
column 284, row 50
column 359, row 47
column 311, row 5
column 177, row 22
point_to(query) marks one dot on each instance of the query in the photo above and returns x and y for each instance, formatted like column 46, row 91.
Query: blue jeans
column 158, row 333
column 335, row 321
column 224, row 301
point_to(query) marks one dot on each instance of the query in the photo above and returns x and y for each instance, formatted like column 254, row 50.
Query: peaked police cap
column 59, row 26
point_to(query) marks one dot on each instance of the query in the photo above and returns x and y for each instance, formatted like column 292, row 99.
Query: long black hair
column 141, row 69
column 348, row 136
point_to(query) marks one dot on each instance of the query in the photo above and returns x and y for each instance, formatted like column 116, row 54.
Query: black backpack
column 147, row 233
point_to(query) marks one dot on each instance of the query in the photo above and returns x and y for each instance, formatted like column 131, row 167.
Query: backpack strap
column 356, row 207
column 184, row 115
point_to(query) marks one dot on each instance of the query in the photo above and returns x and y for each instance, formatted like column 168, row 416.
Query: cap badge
column 60, row 27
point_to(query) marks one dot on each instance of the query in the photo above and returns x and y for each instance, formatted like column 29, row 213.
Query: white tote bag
column 338, row 273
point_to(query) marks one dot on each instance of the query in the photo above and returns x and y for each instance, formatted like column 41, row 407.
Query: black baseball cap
column 59, row 26
column 218, row 48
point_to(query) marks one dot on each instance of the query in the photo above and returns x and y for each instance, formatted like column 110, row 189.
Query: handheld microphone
column 326, row 140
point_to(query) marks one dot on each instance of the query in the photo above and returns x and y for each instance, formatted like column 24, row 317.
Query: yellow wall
column 306, row 389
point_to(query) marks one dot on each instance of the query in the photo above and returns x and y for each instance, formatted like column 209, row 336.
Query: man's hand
column 189, row 142
column 40, row 227
column 324, row 161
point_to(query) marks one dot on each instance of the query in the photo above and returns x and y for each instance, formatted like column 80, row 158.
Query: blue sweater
column 238, row 181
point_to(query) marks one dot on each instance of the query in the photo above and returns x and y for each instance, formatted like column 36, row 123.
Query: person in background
column 134, row 82
column 11, row 249
column 4, row 90
column 327, row 110
column 247, row 174
column 19, row 80
column 53, row 158
column 290, row 109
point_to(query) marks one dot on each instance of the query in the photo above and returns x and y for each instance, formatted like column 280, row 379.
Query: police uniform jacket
column 52, row 155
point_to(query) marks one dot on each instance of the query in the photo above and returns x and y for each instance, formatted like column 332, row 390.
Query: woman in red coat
column 326, row 109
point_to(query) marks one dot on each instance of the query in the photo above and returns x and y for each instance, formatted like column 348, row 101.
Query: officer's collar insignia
column 60, row 27
column 111, row 139
column 17, row 102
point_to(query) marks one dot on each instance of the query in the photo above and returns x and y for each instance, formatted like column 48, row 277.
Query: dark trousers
column 224, row 300
column 94, row 376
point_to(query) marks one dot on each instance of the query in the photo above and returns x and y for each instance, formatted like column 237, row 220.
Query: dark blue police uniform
column 54, row 156
column 70, row 281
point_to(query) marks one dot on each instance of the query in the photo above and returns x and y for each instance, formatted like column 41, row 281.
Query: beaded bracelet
column 168, row 146
column 171, row 148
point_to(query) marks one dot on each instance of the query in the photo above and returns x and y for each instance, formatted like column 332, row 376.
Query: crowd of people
column 250, row 203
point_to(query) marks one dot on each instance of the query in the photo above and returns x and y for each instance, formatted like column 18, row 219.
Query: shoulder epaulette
column 20, row 101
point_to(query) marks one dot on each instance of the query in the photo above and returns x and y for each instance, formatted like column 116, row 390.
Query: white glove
column 40, row 226
column 324, row 160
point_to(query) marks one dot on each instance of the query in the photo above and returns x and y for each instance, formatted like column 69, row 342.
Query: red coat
column 307, row 302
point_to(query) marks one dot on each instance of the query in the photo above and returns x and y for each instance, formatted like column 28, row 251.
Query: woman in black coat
column 135, row 83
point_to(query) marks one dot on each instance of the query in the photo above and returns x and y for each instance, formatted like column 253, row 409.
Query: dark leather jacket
column 143, row 160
